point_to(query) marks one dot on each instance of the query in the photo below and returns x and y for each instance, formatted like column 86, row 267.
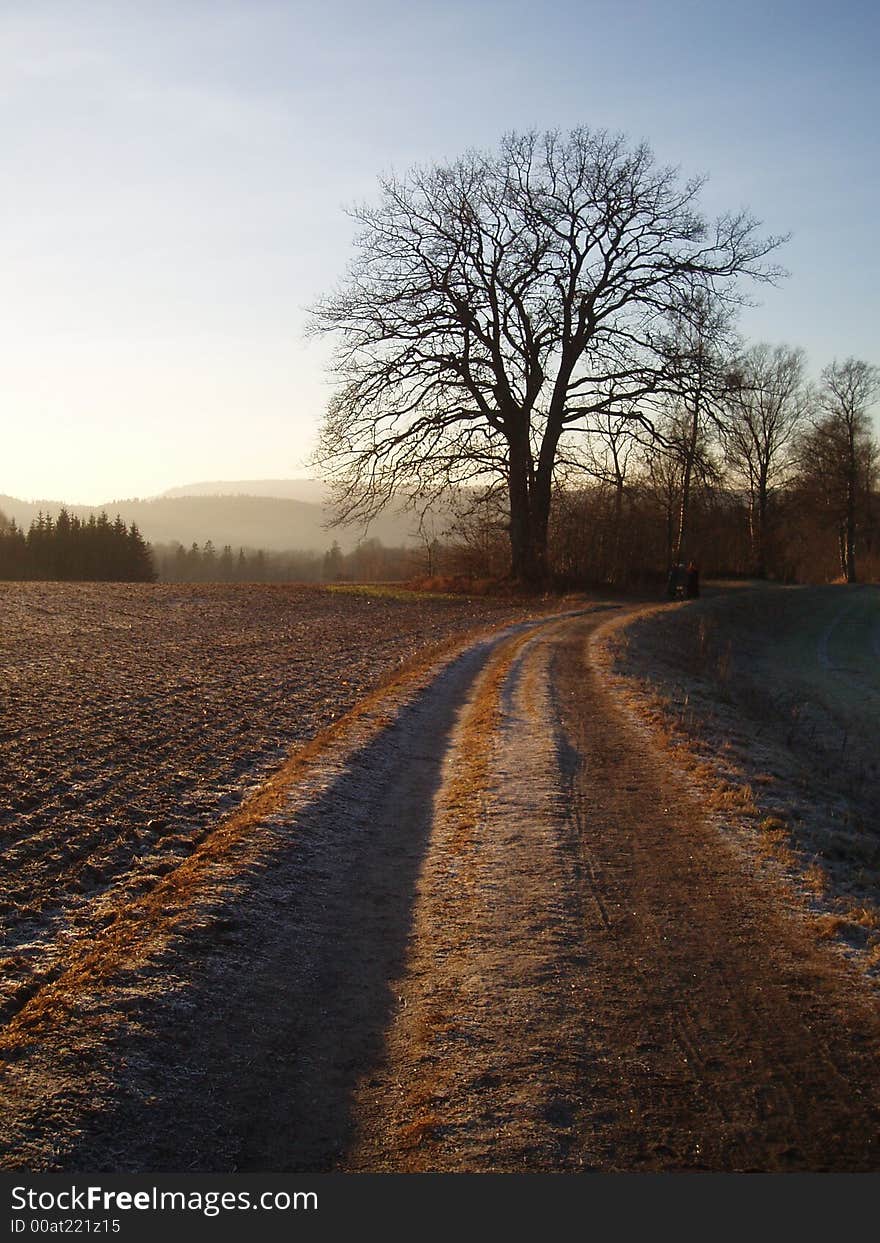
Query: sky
column 174, row 180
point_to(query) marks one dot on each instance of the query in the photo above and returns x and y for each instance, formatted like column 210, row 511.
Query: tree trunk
column 529, row 517
column 541, row 492
column 760, row 532
column 849, row 568
column 669, row 503
column 617, row 533
column 521, row 534
column 683, row 511
column 689, row 461
column 849, row 560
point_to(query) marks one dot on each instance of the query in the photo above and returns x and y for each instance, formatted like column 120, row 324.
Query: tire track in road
column 475, row 1073
column 603, row 983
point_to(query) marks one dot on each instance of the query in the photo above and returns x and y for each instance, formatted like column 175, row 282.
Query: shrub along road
column 486, row 929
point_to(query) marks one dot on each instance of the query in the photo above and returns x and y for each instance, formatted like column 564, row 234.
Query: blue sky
column 174, row 178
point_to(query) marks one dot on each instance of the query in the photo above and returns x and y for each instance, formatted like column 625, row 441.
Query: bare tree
column 478, row 529
column 606, row 454
column 839, row 454
column 696, row 349
column 497, row 302
column 680, row 468
column 766, row 404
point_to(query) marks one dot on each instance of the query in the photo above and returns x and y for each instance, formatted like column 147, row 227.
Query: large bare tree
column 498, row 303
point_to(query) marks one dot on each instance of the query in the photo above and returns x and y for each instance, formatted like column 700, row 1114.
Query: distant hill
column 247, row 521
column 311, row 490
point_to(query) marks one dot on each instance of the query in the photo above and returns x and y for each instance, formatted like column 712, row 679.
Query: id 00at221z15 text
column 64, row 1225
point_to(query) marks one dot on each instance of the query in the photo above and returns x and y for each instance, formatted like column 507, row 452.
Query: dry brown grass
column 816, row 879
column 829, row 927
column 867, row 917
column 731, row 798
column 421, row 1130
column 692, row 675
column 775, row 842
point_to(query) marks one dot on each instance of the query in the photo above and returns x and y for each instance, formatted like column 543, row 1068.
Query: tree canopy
column 502, row 301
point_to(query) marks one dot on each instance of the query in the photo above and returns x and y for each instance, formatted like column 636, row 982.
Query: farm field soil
column 484, row 926
column 133, row 717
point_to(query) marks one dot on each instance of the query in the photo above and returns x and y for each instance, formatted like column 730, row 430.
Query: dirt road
column 496, row 934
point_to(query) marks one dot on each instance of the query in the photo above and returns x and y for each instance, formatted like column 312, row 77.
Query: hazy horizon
column 175, row 176
column 188, row 488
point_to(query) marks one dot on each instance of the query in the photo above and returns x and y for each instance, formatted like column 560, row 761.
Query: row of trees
column 371, row 561
column 784, row 467
column 204, row 564
column 559, row 310
column 618, row 523
column 781, row 480
column 68, row 549
column 624, row 526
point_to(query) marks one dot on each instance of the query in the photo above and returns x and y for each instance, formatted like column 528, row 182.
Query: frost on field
column 135, row 716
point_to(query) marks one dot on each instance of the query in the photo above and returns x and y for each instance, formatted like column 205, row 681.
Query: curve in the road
column 500, row 936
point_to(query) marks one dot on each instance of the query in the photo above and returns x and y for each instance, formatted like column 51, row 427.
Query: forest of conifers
column 69, row 550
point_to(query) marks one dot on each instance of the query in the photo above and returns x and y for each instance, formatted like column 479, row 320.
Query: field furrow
column 133, row 717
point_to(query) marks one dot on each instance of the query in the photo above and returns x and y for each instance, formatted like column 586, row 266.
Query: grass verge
column 734, row 687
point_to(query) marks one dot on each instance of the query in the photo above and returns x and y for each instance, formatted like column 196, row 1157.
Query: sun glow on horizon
column 174, row 186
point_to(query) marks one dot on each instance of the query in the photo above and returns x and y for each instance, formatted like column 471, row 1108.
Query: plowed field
column 132, row 717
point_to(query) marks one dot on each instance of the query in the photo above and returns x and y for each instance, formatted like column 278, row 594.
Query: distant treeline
column 615, row 531
column 69, row 549
column 370, row 561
